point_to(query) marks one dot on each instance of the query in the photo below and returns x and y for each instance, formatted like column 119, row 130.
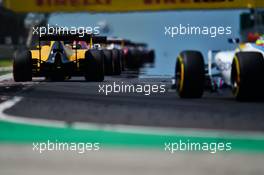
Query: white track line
column 2, row 69
column 123, row 128
column 6, row 77
column 119, row 127
column 23, row 120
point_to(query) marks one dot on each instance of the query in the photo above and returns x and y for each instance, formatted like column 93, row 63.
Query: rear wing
column 92, row 39
column 141, row 45
column 124, row 42
column 71, row 37
column 121, row 42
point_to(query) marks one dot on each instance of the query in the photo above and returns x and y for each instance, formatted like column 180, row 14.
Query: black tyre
column 94, row 69
column 22, row 66
column 133, row 60
column 108, row 61
column 122, row 57
column 127, row 56
column 117, row 61
column 151, row 56
column 190, row 74
column 247, row 76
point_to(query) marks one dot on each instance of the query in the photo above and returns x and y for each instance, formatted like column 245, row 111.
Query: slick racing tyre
column 151, row 57
column 22, row 66
column 190, row 74
column 94, row 70
column 117, row 61
column 127, row 56
column 108, row 61
column 122, row 57
column 247, row 76
column 133, row 60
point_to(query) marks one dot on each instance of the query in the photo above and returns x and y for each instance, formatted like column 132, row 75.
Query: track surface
column 77, row 100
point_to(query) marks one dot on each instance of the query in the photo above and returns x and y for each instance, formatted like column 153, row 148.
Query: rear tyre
column 22, row 66
column 190, row 74
column 117, row 61
column 247, row 76
column 151, row 56
column 94, row 66
column 122, row 57
column 109, row 63
column 133, row 60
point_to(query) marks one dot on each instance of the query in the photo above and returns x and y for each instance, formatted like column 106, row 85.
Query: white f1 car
column 241, row 69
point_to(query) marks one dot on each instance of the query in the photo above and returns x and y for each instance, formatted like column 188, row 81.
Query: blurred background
column 129, row 150
column 141, row 26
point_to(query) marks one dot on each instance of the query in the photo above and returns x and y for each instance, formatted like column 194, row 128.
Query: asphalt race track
column 79, row 101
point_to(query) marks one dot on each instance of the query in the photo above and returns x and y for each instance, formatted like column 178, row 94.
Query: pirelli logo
column 72, row 3
column 108, row 2
column 184, row 1
column 126, row 5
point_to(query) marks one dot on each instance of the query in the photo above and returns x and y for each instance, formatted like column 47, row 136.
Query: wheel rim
column 180, row 74
column 235, row 77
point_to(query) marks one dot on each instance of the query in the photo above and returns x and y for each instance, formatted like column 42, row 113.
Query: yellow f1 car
column 58, row 57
